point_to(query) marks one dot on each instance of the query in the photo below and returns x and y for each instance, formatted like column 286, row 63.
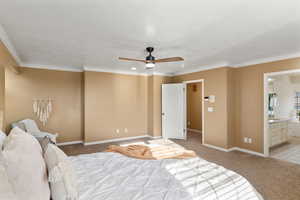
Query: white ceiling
column 74, row 34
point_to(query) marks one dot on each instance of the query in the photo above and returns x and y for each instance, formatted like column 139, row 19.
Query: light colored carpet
column 274, row 179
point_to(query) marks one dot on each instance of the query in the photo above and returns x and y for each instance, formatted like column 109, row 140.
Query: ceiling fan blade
column 132, row 59
column 173, row 59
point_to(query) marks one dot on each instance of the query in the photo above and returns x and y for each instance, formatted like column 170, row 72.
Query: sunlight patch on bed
column 206, row 181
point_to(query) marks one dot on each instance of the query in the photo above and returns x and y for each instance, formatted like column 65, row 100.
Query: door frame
column 203, row 111
column 266, row 114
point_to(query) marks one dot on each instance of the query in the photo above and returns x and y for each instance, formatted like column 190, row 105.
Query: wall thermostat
column 210, row 99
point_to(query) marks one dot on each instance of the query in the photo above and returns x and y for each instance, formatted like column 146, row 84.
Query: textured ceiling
column 207, row 33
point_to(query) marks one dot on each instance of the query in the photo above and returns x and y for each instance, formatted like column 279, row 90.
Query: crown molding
column 89, row 68
column 199, row 69
column 266, row 60
column 136, row 73
column 99, row 69
column 53, row 67
column 8, row 44
column 202, row 68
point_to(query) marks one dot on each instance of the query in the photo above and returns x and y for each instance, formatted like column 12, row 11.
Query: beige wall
column 6, row 61
column 65, row 88
column 231, row 108
column 107, row 102
column 249, row 99
column 194, row 106
column 115, row 101
column 239, row 103
column 215, row 123
column 2, row 97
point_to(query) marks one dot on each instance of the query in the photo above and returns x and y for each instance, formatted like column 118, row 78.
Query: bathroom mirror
column 272, row 103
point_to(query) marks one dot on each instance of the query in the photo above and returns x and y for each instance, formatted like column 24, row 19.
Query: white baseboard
column 217, row 148
column 107, row 141
column 194, row 130
column 69, row 143
column 116, row 140
column 234, row 149
column 154, row 137
column 158, row 137
column 248, row 151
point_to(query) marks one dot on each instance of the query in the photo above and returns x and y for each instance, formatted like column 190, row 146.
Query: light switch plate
column 212, row 98
column 210, row 109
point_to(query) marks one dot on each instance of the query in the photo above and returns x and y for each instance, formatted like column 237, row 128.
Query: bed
column 109, row 175
column 112, row 176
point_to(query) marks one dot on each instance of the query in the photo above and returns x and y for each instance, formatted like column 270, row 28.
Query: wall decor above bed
column 42, row 108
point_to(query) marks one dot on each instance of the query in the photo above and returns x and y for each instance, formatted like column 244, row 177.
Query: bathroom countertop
column 271, row 121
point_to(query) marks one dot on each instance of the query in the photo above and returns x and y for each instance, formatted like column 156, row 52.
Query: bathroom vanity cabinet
column 278, row 132
column 294, row 128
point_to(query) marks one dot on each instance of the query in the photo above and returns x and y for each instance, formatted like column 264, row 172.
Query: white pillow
column 6, row 190
column 2, row 138
column 30, row 125
column 25, row 166
column 61, row 174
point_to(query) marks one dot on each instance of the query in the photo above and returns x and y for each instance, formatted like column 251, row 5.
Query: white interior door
column 173, row 111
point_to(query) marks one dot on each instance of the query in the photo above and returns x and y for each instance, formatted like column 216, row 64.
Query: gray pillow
column 20, row 125
column 44, row 143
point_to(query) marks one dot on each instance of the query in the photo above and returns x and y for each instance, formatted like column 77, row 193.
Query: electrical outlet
column 125, row 130
column 117, row 130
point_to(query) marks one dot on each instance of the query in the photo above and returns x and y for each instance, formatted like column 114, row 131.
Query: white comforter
column 112, row 176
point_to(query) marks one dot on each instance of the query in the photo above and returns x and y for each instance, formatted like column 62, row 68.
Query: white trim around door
column 266, row 115
column 203, row 111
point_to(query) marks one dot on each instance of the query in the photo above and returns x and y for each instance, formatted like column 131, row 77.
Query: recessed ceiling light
column 133, row 68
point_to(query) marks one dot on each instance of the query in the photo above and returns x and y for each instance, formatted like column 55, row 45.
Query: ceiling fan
column 150, row 60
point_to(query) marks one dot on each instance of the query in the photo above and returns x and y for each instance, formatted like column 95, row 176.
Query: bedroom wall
column 6, row 61
column 250, row 100
column 194, row 106
column 216, row 124
column 2, row 97
column 114, row 101
column 65, row 88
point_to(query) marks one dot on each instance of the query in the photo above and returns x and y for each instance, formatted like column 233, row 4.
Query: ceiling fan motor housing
column 150, row 58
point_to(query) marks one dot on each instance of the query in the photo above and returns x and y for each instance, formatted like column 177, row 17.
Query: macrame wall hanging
column 42, row 108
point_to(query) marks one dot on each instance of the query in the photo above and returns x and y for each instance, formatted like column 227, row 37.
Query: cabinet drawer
column 276, row 133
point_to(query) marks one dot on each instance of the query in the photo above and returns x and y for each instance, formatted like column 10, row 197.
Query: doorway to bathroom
column 282, row 115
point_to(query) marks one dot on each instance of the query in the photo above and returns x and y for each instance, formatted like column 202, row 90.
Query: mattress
column 112, row 176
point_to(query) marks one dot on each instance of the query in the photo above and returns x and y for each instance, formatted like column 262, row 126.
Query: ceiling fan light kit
column 150, row 65
column 150, row 60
